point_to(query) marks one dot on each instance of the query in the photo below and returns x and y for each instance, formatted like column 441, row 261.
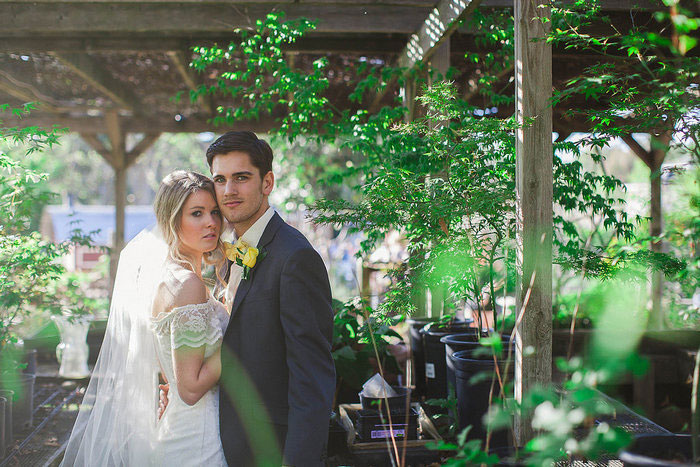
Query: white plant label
column 430, row 370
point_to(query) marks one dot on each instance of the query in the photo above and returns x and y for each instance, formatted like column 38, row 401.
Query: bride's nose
column 211, row 221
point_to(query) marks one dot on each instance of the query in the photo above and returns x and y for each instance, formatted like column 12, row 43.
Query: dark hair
column 258, row 150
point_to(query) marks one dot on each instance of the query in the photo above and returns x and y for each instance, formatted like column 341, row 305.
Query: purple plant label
column 387, row 434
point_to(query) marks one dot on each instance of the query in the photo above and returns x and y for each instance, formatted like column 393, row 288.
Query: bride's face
column 200, row 224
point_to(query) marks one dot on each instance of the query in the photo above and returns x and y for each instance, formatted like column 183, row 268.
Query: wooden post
column 440, row 60
column 117, row 140
column 120, row 160
column 659, row 148
column 654, row 158
column 408, row 98
column 533, row 78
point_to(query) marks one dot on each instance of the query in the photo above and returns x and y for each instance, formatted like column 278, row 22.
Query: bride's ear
column 268, row 183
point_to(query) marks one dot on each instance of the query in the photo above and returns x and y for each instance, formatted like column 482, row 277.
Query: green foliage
column 354, row 340
column 74, row 294
column 445, row 180
column 467, row 452
column 683, row 237
column 648, row 83
column 29, row 265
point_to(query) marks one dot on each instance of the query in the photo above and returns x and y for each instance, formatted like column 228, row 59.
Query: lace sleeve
column 194, row 326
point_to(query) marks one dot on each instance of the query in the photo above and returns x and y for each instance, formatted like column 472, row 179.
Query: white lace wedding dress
column 189, row 435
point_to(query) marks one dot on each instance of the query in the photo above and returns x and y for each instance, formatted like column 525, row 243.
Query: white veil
column 116, row 424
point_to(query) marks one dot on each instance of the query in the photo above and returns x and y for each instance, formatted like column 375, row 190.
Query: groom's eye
column 218, row 179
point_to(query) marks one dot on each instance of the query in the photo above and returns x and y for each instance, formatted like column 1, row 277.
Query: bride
column 162, row 319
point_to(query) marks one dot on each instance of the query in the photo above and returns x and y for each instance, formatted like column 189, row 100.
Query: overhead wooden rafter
column 441, row 22
column 191, row 79
column 27, row 93
column 86, row 67
column 139, row 124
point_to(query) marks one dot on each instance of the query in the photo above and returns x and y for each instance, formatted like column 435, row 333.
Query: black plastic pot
column 3, row 444
column 399, row 402
column 30, row 358
column 23, row 403
column 508, row 456
column 337, row 437
column 465, row 341
column 415, row 338
column 435, row 365
column 9, row 434
column 473, row 396
column 659, row 450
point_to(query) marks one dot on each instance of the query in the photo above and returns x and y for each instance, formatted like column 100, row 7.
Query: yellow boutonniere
column 236, row 250
column 243, row 255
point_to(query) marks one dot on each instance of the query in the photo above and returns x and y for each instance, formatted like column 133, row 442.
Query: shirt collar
column 253, row 234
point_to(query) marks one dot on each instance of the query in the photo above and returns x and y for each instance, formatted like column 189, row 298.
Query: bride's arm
column 194, row 374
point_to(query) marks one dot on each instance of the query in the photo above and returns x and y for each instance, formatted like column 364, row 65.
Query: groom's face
column 240, row 190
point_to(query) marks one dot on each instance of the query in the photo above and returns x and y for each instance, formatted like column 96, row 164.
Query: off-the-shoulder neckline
column 191, row 306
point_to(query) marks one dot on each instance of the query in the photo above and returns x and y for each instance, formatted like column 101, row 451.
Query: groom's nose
column 230, row 187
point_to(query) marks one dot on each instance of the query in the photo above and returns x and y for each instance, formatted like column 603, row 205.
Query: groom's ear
column 268, row 183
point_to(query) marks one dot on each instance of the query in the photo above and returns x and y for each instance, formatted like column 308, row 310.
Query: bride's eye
column 196, row 213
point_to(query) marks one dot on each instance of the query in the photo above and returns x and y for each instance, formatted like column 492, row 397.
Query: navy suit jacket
column 278, row 376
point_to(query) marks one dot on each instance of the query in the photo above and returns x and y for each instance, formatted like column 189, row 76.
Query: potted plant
column 358, row 338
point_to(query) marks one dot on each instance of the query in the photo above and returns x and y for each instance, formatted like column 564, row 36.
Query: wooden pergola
column 108, row 68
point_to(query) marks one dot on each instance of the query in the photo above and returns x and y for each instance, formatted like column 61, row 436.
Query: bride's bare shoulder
column 179, row 287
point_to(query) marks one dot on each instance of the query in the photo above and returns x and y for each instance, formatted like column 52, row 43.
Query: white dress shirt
column 252, row 238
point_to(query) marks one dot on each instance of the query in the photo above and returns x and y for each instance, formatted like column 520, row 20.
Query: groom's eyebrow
column 245, row 172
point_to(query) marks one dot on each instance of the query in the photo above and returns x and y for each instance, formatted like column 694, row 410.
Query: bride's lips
column 211, row 235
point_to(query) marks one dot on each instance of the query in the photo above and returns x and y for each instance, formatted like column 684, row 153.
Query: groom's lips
column 232, row 204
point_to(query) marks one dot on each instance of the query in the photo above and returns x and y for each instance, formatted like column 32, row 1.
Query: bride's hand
column 163, row 401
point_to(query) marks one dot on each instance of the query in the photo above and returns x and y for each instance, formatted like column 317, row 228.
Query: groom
column 277, row 373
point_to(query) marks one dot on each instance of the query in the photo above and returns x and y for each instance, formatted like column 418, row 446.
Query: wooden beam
column 174, row 18
column 607, row 5
column 117, row 139
column 439, row 24
column 98, row 146
column 191, row 79
column 26, row 93
column 242, row 3
column 659, row 148
column 533, row 167
column 137, row 124
column 142, row 146
column 440, row 60
column 638, row 150
column 371, row 43
column 95, row 75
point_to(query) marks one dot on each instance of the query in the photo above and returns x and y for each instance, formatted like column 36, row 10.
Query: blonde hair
column 172, row 194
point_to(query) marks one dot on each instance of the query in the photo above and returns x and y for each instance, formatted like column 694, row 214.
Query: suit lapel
column 245, row 285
